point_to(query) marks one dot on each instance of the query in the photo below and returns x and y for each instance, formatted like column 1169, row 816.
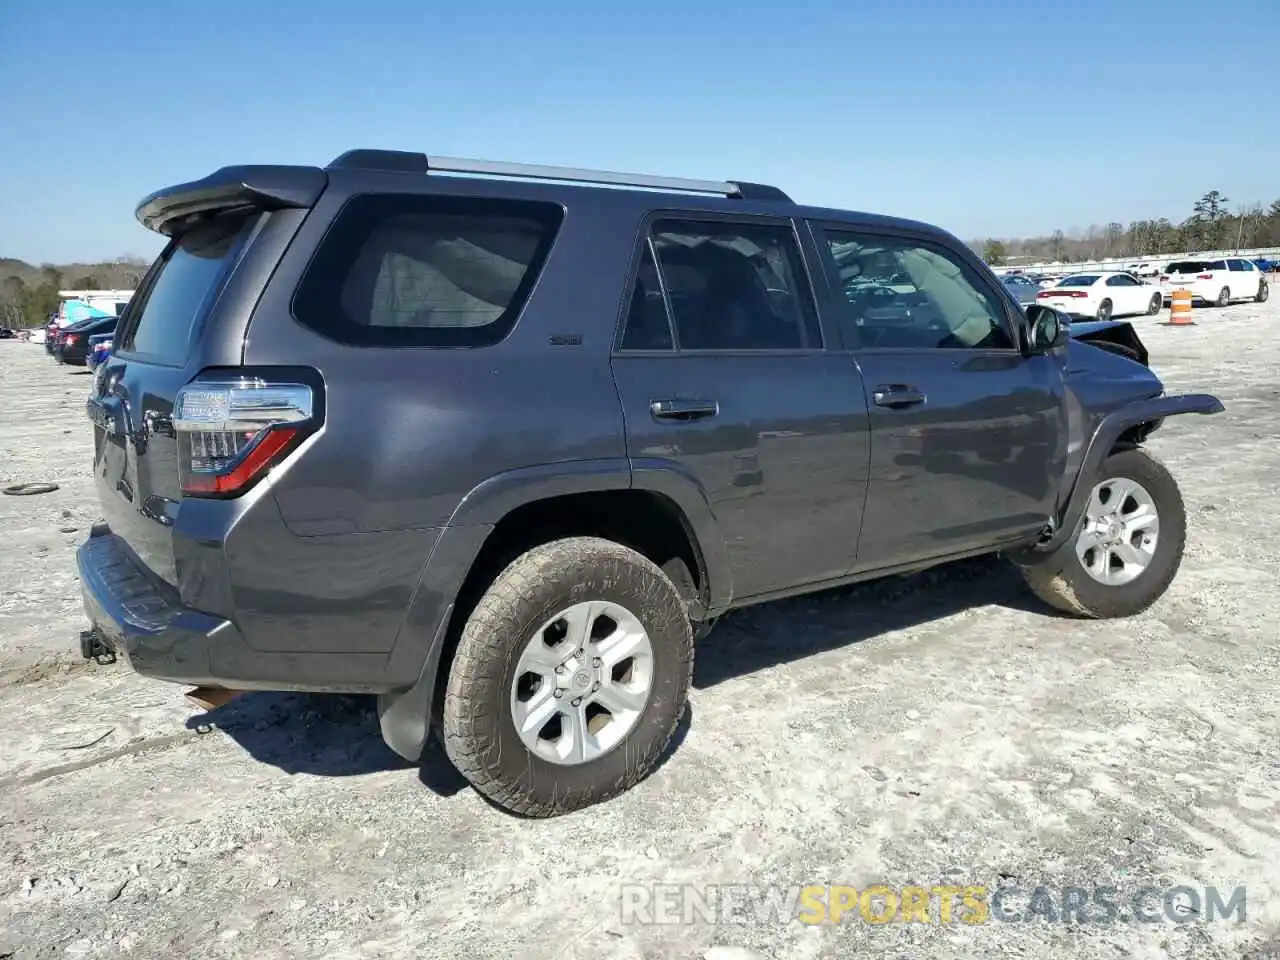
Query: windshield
column 1079, row 280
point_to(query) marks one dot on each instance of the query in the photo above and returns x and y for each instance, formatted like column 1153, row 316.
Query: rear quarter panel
column 409, row 432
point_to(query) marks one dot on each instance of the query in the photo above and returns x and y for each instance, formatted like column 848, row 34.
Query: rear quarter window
column 397, row 270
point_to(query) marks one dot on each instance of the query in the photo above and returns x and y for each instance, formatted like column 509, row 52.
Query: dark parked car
column 98, row 350
column 1023, row 287
column 501, row 447
column 72, row 344
column 51, row 331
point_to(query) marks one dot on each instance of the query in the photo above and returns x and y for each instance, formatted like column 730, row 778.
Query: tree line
column 28, row 294
column 1212, row 225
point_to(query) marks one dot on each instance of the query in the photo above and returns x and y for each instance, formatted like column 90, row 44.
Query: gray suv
column 498, row 443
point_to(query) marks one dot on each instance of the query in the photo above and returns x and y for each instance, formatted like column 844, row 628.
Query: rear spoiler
column 264, row 187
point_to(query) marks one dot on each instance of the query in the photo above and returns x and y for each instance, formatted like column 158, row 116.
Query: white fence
column 1124, row 263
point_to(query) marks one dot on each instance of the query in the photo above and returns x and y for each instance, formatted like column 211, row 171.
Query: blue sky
column 996, row 118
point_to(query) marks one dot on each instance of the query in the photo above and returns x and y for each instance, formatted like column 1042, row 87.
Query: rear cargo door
column 131, row 403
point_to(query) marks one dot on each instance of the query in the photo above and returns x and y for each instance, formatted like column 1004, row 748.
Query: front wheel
column 569, row 678
column 1263, row 292
column 1154, row 306
column 1127, row 548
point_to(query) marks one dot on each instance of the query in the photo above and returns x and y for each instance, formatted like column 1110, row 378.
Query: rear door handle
column 896, row 395
column 683, row 410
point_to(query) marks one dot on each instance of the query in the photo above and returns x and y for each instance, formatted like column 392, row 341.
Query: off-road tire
column 480, row 736
column 1060, row 580
column 1224, row 297
column 1264, row 291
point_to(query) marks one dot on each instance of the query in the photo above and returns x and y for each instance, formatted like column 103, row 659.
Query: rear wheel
column 1157, row 301
column 1263, row 292
column 1104, row 310
column 1224, row 297
column 569, row 679
column 1127, row 548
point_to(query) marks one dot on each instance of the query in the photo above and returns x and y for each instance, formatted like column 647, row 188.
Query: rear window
column 1080, row 280
column 397, row 270
column 1189, row 266
column 185, row 282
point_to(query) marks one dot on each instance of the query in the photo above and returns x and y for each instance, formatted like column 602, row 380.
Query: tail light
column 231, row 433
column 1046, row 294
column 1164, row 278
column 71, row 338
column 1204, row 276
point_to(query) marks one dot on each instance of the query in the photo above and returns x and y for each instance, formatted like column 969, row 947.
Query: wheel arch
column 642, row 501
column 1123, row 428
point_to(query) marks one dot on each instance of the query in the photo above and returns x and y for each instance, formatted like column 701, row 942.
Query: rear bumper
column 145, row 623
column 1197, row 293
column 142, row 620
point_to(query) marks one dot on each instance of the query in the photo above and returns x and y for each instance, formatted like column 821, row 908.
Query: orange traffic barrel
column 1180, row 309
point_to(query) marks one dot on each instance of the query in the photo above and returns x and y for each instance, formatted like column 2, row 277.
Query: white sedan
column 1102, row 295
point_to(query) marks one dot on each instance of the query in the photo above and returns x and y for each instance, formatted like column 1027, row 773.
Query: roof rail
column 406, row 162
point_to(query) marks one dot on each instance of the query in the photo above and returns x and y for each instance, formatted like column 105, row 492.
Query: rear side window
column 398, row 270
column 186, row 280
column 1079, row 280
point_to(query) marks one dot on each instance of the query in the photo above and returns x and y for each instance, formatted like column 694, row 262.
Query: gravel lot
column 939, row 728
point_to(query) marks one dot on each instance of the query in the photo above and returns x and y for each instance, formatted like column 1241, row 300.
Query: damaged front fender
column 1106, row 435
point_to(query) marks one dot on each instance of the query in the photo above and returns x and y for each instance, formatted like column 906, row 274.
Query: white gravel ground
column 940, row 728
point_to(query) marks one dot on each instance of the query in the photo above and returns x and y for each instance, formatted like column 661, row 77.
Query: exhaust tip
column 211, row 698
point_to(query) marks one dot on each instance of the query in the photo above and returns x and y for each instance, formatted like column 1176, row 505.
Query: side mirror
column 1048, row 329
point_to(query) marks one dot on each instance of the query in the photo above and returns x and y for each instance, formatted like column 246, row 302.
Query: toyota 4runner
column 497, row 443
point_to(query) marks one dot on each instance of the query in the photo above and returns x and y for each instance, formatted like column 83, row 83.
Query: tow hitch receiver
column 93, row 647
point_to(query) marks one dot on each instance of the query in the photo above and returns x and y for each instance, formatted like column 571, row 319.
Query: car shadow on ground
column 323, row 735
column 338, row 736
column 756, row 638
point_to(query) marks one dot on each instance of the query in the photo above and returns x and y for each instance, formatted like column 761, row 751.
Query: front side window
column 906, row 294
column 399, row 270
column 734, row 286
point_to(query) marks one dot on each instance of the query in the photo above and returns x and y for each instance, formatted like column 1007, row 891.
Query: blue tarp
column 73, row 311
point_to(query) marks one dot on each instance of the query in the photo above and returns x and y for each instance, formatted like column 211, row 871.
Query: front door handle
column 683, row 410
column 897, row 396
